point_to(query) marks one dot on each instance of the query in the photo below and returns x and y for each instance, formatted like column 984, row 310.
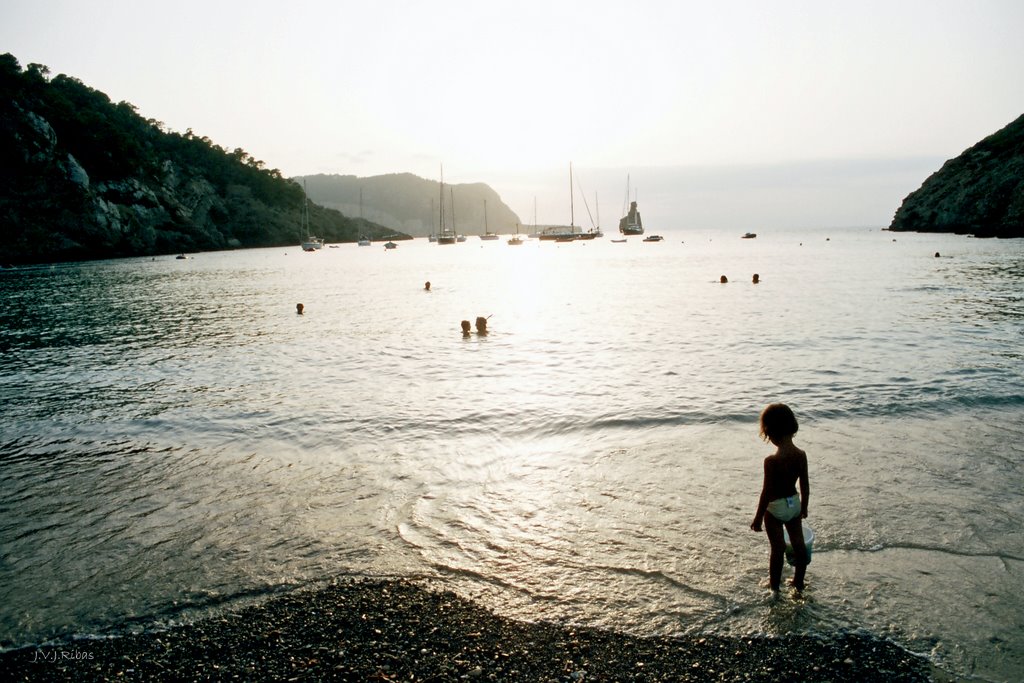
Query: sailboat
column 458, row 237
column 631, row 224
column 364, row 241
column 595, row 231
column 536, row 233
column 444, row 236
column 309, row 242
column 432, row 237
column 488, row 235
column 515, row 240
column 564, row 233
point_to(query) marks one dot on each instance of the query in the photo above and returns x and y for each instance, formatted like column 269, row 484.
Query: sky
column 732, row 114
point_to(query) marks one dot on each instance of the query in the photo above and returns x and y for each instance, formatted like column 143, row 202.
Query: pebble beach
column 401, row 630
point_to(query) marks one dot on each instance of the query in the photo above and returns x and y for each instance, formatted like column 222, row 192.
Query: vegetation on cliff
column 82, row 177
column 980, row 192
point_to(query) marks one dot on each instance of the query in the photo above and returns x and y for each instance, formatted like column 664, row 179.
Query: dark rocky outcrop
column 82, row 178
column 980, row 192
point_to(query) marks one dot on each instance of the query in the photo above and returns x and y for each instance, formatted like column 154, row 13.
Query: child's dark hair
column 777, row 421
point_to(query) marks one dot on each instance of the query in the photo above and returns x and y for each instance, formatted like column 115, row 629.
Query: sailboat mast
column 625, row 204
column 572, row 210
column 305, row 211
column 441, row 218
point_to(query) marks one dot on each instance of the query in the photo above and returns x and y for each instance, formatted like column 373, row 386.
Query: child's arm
column 762, row 502
column 805, row 488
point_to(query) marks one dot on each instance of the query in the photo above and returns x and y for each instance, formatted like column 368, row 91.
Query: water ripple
column 175, row 437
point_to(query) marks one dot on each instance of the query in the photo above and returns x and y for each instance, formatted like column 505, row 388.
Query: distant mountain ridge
column 410, row 204
column 980, row 192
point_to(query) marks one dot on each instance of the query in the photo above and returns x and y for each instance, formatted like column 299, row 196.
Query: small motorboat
column 390, row 245
column 749, row 235
column 653, row 238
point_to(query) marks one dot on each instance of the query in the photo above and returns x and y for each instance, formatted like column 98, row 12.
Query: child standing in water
column 779, row 505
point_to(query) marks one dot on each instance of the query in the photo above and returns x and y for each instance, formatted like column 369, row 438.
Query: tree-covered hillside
column 82, row 177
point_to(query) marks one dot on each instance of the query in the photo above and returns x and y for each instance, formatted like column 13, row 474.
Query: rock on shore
column 980, row 192
column 396, row 630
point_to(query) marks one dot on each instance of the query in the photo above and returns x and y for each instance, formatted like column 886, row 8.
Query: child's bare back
column 783, row 469
column 779, row 506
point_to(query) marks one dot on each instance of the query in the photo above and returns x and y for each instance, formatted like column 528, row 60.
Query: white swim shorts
column 785, row 509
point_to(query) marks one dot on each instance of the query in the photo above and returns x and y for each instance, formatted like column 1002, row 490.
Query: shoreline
column 399, row 630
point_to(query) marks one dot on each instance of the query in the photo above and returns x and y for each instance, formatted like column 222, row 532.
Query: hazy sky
column 509, row 93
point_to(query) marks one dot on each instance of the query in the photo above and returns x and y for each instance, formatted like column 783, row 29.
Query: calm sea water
column 176, row 439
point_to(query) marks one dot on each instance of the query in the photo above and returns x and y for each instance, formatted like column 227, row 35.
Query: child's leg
column 796, row 538
column 773, row 528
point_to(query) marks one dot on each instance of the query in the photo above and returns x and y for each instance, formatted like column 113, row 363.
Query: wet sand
column 397, row 630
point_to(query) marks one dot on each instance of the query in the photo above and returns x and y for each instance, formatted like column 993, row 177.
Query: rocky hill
column 406, row 202
column 980, row 192
column 82, row 177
